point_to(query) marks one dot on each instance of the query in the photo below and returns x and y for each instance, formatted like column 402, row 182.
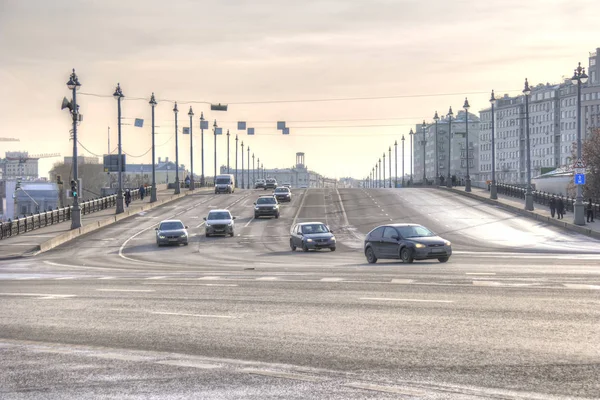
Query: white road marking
column 581, row 286
column 190, row 284
column 45, row 296
column 480, row 273
column 125, row 290
column 64, row 278
column 344, row 215
column 248, row 223
column 198, row 226
column 191, row 315
column 386, row 389
column 267, row 278
column 299, row 377
column 332, row 279
column 410, row 300
column 188, row 364
column 76, row 266
column 403, row 281
column 304, row 196
column 107, row 277
column 156, row 277
column 210, row 278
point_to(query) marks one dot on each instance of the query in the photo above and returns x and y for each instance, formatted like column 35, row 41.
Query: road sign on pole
column 579, row 171
column 580, row 179
column 579, row 163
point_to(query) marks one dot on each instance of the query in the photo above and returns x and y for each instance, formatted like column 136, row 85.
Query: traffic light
column 59, row 180
column 18, row 184
column 74, row 188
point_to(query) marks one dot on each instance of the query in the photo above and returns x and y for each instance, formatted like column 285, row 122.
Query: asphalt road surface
column 515, row 313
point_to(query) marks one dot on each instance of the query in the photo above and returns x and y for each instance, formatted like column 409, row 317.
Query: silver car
column 171, row 232
column 219, row 222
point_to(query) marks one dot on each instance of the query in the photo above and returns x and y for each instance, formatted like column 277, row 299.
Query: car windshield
column 266, row 200
column 415, row 231
column 223, row 181
column 171, row 226
column 282, row 190
column 219, row 215
column 314, row 228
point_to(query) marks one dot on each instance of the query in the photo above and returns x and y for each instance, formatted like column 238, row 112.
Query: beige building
column 18, row 164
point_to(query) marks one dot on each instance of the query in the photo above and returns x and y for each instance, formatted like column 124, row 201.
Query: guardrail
column 46, row 218
column 543, row 198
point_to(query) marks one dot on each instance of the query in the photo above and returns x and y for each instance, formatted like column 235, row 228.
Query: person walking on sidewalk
column 552, row 206
column 142, row 191
column 590, row 211
column 560, row 208
column 127, row 197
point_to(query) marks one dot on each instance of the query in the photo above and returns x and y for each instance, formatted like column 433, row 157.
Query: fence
column 51, row 217
column 543, row 198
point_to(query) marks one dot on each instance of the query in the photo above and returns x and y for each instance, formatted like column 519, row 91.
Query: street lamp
column 396, row 163
column 243, row 187
column 215, row 126
column 436, row 118
column 153, row 188
column 236, row 160
column 74, row 85
column 423, row 126
column 466, row 107
column 379, row 175
column 248, row 169
column 118, row 95
column 450, row 115
column 390, row 164
column 493, row 189
column 253, row 171
column 579, row 77
column 227, row 150
column 177, row 184
column 257, row 172
column 202, row 181
column 411, row 134
column 191, row 114
column 528, row 193
column 384, row 169
column 402, row 160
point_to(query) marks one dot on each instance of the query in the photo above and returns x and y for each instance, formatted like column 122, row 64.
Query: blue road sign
column 580, row 179
column 186, row 130
column 203, row 124
column 139, row 123
column 250, row 131
column 241, row 125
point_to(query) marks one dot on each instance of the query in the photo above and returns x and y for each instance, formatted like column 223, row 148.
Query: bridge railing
column 28, row 223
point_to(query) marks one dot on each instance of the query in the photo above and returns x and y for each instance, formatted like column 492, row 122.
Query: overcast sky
column 272, row 50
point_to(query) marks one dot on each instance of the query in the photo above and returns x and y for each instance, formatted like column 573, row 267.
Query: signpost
column 580, row 179
column 579, row 170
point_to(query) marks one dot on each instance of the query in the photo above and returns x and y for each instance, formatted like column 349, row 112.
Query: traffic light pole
column 76, row 210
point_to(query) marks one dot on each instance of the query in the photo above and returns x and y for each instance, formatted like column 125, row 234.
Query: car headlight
column 309, row 240
column 332, row 239
column 419, row 245
column 161, row 236
column 184, row 235
column 274, row 207
column 257, row 208
column 447, row 243
column 230, row 224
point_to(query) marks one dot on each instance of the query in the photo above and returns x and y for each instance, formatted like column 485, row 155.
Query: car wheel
column 370, row 254
column 332, row 248
column 406, row 255
column 158, row 244
column 185, row 244
column 443, row 259
column 292, row 245
column 207, row 234
column 232, row 234
column 255, row 216
column 277, row 216
column 304, row 247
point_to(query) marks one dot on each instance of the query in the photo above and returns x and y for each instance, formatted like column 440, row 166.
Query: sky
column 273, row 60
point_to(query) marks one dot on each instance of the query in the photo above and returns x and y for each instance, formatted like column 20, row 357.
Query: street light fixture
column 466, row 106
column 227, row 150
column 579, row 78
column 390, row 164
column 215, row 126
column 493, row 189
column 423, row 126
column 177, row 184
column 384, row 170
column 243, row 186
column 236, row 160
column 450, row 115
column 152, row 103
column 192, row 184
column 436, row 118
column 74, row 85
column 528, row 192
column 118, row 95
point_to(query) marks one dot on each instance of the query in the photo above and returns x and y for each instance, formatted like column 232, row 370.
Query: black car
column 283, row 194
column 271, row 183
column 266, row 206
column 406, row 242
column 312, row 235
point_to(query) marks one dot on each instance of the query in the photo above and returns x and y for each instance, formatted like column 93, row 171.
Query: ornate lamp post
column 579, row 78
column 466, row 107
column 436, row 118
column 177, row 184
column 192, row 184
column 528, row 191
column 74, row 85
column 450, row 115
column 493, row 189
column 153, row 188
column 118, row 95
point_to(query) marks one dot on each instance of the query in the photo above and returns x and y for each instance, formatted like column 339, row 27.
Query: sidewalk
column 540, row 212
column 44, row 239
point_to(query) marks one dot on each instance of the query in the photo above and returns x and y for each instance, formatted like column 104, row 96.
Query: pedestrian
column 142, row 192
column 127, row 197
column 590, row 211
column 552, row 206
column 560, row 208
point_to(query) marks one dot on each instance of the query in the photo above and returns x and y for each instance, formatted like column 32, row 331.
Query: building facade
column 18, row 164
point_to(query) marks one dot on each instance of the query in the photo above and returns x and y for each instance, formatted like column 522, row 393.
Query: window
column 390, row 233
column 377, row 233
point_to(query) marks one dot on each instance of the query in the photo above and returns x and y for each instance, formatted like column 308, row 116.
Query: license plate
column 173, row 240
column 438, row 251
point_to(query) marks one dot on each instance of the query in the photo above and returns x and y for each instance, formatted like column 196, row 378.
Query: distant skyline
column 237, row 52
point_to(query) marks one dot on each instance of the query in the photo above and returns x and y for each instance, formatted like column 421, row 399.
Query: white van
column 225, row 184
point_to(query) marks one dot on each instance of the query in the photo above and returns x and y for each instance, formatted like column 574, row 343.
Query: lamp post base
column 120, row 208
column 579, row 213
column 494, row 192
column 529, row 201
column 468, row 185
column 153, row 194
column 192, row 184
column 76, row 217
column 177, row 187
column 449, row 183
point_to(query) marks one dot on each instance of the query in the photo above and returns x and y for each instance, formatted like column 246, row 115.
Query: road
column 513, row 314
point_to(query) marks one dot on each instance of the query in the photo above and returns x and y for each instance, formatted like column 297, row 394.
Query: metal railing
column 42, row 219
column 543, row 198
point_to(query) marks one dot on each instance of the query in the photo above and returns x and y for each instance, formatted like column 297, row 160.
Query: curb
column 530, row 214
column 84, row 230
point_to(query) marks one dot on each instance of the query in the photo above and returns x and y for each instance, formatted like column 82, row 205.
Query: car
column 260, row 184
column 219, row 222
column 171, row 231
column 271, row 183
column 407, row 242
column 312, row 235
column 287, row 185
column 225, row 183
column 266, row 206
column 283, row 194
